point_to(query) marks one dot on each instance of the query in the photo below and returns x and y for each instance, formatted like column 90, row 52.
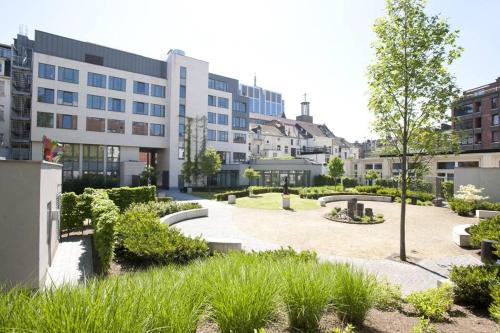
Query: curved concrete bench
column 184, row 215
column 460, row 236
column 486, row 214
column 223, row 245
column 345, row 197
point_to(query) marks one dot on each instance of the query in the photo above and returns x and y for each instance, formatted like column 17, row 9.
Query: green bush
column 489, row 206
column 349, row 182
column 273, row 189
column 424, row 326
column 124, row 196
column 164, row 208
column 447, row 190
column 321, row 180
column 390, row 183
column 287, row 253
column 473, row 284
column 104, row 217
column 143, row 240
column 70, row 214
column 368, row 188
column 485, row 229
column 78, row 185
column 388, row 297
column 495, row 305
column 164, row 199
column 432, row 303
column 462, row 207
column 224, row 195
column 353, row 294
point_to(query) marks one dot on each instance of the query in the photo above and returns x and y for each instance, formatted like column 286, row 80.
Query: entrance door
column 165, row 180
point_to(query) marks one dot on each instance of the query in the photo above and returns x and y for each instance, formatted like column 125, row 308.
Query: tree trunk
column 402, row 242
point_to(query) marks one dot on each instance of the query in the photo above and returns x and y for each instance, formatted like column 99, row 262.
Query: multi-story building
column 477, row 117
column 5, row 58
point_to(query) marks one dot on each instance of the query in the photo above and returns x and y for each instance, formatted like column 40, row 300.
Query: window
column 66, row 121
column 495, row 120
column 157, row 110
column 239, row 122
column 239, row 106
column 46, row 71
column 71, row 160
column 116, row 126
column 278, row 148
column 239, row 138
column 468, row 164
column 157, row 91
column 45, row 119
column 183, row 72
column 113, row 161
column 140, row 108
column 96, row 102
column 446, row 165
column 223, row 102
column 220, row 85
column 46, row 95
column 182, row 110
column 211, row 135
column 465, row 109
column 139, row 128
column 212, row 117
column 68, row 98
column 2, row 88
column 96, row 80
column 212, row 100
column 222, row 119
column 467, row 140
column 116, row 104
column 116, row 83
column 222, row 136
column 239, row 157
column 141, row 88
column 95, row 124
column 94, row 59
column 157, row 130
column 67, row 74
column 182, row 91
column 286, row 149
column 2, row 113
column 211, row 83
column 93, row 159
column 376, row 166
column 494, row 102
column 182, row 130
column 495, row 136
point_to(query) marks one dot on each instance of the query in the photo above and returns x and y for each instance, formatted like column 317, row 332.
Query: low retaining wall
column 223, row 245
column 345, row 197
column 460, row 236
column 485, row 214
column 184, row 215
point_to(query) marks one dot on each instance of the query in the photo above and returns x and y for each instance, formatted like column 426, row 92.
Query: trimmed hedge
column 239, row 194
column 473, row 284
column 489, row 206
column 104, row 216
column 124, row 196
column 321, row 180
column 462, row 207
column 78, row 185
column 161, row 209
column 348, row 182
column 70, row 215
column 324, row 194
column 486, row 229
column 273, row 189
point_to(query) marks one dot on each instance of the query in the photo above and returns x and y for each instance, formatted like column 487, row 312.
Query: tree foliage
column 210, row 162
column 250, row 174
column 188, row 166
column 335, row 168
column 411, row 88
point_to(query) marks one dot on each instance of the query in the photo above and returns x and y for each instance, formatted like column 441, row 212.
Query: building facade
column 5, row 65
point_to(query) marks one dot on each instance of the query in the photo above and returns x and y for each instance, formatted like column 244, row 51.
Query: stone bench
column 460, row 236
column 346, row 197
column 485, row 214
column 223, row 245
column 184, row 215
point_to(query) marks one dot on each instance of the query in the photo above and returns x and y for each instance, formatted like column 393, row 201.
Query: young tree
column 335, row 168
column 410, row 86
column 371, row 175
column 187, row 166
column 250, row 174
column 210, row 163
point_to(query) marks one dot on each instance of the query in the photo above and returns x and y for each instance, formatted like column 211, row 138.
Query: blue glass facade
column 263, row 101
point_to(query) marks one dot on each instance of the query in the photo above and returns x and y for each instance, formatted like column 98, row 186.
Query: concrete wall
column 487, row 178
column 28, row 239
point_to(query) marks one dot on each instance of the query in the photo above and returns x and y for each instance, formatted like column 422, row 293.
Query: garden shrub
column 224, row 195
column 70, row 215
column 143, row 240
column 433, row 303
column 78, row 185
column 124, row 196
column 164, row 199
column 424, row 326
column 447, row 190
column 489, row 206
column 104, row 217
column 368, row 188
column 164, row 208
column 349, row 182
column 388, row 296
column 485, row 229
column 273, row 189
column 320, row 180
column 495, row 305
column 288, row 253
column 473, row 284
column 386, row 183
column 462, row 207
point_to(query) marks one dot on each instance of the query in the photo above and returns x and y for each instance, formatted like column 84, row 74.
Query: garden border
column 184, row 215
column 345, row 197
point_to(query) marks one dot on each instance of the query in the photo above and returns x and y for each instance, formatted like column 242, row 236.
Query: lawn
column 273, row 201
column 208, row 195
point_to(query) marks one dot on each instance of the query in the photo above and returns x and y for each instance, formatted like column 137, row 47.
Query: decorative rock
column 487, row 255
column 369, row 212
column 231, row 199
column 360, row 209
column 351, row 207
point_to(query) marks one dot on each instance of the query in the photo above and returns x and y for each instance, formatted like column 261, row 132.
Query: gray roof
column 269, row 130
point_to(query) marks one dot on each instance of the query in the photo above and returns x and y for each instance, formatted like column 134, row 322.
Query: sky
column 321, row 48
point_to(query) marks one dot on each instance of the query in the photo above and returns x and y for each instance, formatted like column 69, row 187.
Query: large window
column 157, row 91
column 495, row 120
column 67, row 74
column 446, row 165
column 212, row 117
column 495, row 136
column 67, row 121
column 223, row 102
column 222, row 136
column 239, row 138
column 139, row 128
column 157, row 110
column 182, row 91
column 96, row 102
column 222, row 119
column 141, row 88
column 71, row 160
column 93, row 159
column 465, row 109
column 239, row 157
column 494, row 102
column 116, row 104
column 116, row 126
column 212, row 100
column 45, row 119
column 96, row 80
column 156, row 130
column 95, row 124
column 468, row 140
column 45, row 95
column 113, row 161
column 116, row 83
column 68, row 98
column 183, row 72
column 216, row 84
column 46, row 71
column 239, row 106
column 140, row 108
column 239, row 122
column 182, row 110
column 211, row 135
column 468, row 164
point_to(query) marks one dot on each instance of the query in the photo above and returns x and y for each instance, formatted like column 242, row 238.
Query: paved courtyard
column 372, row 247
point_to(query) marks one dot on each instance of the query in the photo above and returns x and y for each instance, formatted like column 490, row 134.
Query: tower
column 304, row 111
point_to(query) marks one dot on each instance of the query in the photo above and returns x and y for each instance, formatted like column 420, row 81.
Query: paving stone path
column 422, row 274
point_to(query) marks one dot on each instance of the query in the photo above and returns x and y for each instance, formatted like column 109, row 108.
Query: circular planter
column 332, row 218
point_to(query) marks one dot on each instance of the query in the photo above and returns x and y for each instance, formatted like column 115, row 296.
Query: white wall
column 487, row 178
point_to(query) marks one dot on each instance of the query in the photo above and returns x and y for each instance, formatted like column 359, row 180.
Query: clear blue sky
column 318, row 47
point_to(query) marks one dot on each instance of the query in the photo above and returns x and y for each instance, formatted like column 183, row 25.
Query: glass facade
column 113, row 161
column 71, row 161
column 93, row 159
column 239, row 123
column 263, row 101
column 277, row 177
